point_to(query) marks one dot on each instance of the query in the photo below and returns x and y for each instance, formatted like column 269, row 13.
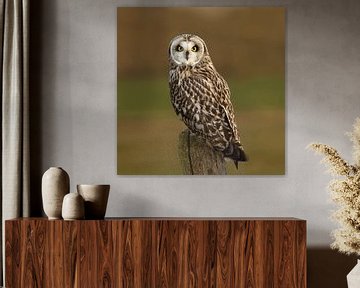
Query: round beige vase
column 55, row 185
column 96, row 198
column 73, row 207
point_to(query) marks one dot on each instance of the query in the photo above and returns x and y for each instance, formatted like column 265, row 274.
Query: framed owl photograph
column 201, row 91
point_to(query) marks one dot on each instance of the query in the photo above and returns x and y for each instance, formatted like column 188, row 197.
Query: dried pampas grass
column 345, row 191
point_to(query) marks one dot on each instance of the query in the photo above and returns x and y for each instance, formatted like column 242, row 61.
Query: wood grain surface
column 197, row 157
column 241, row 253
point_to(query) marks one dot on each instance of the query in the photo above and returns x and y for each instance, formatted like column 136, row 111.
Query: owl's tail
column 235, row 151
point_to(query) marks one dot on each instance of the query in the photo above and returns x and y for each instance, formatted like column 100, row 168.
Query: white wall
column 78, row 113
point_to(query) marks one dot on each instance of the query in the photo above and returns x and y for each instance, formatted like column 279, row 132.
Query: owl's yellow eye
column 195, row 48
column 179, row 48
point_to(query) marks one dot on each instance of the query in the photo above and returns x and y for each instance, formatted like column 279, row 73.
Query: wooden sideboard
column 156, row 252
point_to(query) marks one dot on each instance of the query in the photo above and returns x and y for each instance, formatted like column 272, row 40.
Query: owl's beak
column 187, row 55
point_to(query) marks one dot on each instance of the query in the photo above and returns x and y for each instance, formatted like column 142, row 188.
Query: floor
column 328, row 268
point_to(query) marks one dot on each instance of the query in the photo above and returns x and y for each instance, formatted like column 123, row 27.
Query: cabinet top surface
column 175, row 219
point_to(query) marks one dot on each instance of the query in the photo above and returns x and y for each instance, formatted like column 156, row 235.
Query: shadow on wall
column 140, row 207
column 328, row 268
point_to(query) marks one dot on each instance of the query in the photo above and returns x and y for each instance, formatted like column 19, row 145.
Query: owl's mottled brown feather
column 201, row 97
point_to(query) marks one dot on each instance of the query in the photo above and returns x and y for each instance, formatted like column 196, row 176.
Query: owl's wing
column 222, row 94
column 206, row 109
column 235, row 149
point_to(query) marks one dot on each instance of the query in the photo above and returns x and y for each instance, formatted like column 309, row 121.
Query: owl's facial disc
column 187, row 52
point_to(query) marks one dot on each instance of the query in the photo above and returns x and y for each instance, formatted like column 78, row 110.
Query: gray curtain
column 14, row 37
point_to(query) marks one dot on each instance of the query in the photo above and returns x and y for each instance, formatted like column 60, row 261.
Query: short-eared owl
column 201, row 96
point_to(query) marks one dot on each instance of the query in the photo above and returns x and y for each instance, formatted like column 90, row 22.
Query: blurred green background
column 247, row 48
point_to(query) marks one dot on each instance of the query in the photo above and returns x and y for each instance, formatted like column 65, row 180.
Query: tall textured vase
column 55, row 185
column 353, row 278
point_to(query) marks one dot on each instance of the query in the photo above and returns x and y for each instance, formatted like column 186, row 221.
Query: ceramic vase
column 73, row 207
column 96, row 198
column 353, row 278
column 55, row 185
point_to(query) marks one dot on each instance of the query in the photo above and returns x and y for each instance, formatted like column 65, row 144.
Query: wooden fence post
column 197, row 157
